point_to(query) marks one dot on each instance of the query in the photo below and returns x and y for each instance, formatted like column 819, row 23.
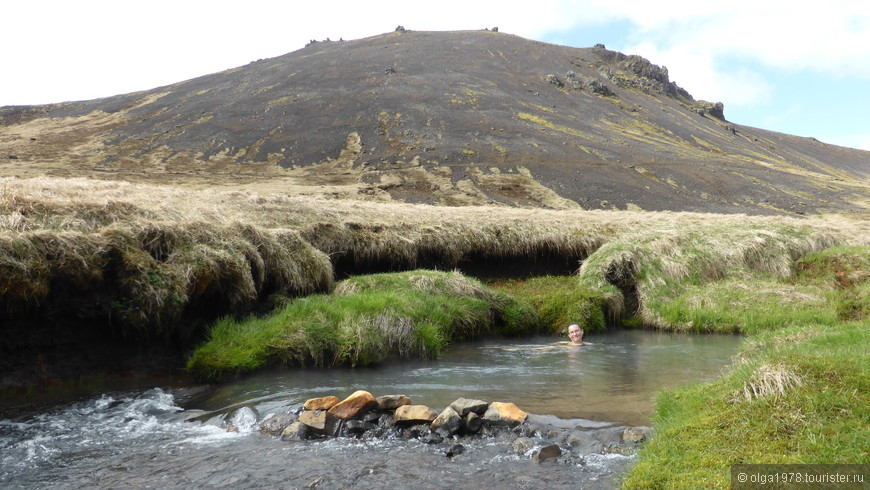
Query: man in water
column 575, row 333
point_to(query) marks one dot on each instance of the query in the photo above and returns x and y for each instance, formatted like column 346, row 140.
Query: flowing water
column 178, row 438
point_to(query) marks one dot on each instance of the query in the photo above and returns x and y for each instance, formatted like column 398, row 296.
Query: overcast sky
column 778, row 65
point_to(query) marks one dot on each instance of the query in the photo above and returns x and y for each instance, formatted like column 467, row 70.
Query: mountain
column 453, row 118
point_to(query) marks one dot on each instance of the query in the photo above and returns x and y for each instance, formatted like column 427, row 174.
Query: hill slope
column 472, row 117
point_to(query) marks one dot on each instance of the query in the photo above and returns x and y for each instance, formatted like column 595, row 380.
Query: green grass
column 367, row 320
column 821, row 417
column 560, row 301
column 828, row 287
column 798, row 393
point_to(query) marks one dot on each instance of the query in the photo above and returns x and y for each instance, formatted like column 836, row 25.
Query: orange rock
column 353, row 406
column 411, row 414
column 505, row 414
column 322, row 403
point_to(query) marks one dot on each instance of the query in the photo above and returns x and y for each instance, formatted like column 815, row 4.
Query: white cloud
column 93, row 48
column 833, row 37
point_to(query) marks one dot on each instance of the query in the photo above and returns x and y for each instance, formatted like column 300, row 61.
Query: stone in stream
column 353, row 406
column 454, row 450
column 472, row 423
column 584, row 442
column 522, row 445
column 508, row 414
column 464, row 406
column 242, row 418
column 322, row 403
column 392, row 402
column 547, row 453
column 296, row 431
column 634, row 434
column 358, row 427
column 413, row 414
column 447, row 423
column 320, row 422
column 275, row 425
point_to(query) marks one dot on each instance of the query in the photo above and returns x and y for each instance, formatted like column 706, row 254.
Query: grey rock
column 547, row 453
column 392, row 402
column 275, row 425
column 554, row 80
column 358, row 427
column 634, row 434
column 472, row 423
column 464, row 406
column 455, row 450
column 296, row 431
column 448, row 421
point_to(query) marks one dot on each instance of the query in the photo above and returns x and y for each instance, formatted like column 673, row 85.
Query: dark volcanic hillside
column 446, row 117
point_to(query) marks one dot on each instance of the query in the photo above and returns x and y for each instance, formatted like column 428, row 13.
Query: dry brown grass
column 769, row 381
column 166, row 247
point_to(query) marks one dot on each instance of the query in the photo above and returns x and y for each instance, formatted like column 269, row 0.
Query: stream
column 163, row 437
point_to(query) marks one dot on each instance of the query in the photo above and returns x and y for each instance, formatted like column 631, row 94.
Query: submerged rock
column 547, row 453
column 634, row 434
column 244, row 418
column 522, row 445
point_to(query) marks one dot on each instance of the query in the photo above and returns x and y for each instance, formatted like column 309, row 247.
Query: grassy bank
column 367, row 319
column 560, row 301
column 799, row 391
